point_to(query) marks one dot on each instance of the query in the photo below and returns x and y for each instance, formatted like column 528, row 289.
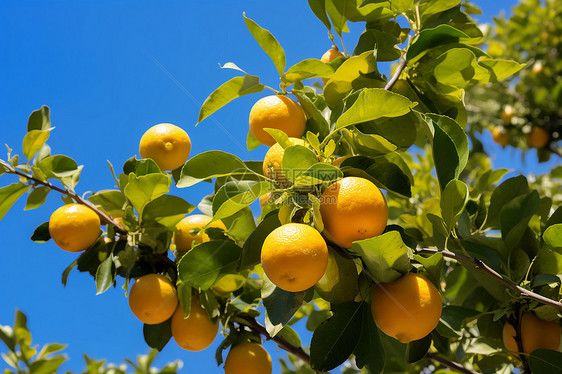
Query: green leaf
column 374, row 103
column 33, row 142
column 450, row 148
column 355, row 72
column 211, row 164
column 451, row 322
column 228, row 91
column 383, row 42
column 105, row 275
column 242, row 200
column 203, row 264
column 251, row 253
column 140, row 167
column 39, row 119
column 309, row 68
column 111, row 202
column 437, row 6
column 318, row 7
column 386, row 256
column 47, row 366
column 433, row 266
column 296, row 160
column 369, row 351
column 400, row 6
column 417, row 349
column 316, row 122
column 268, row 43
column 500, row 69
column 50, row 348
column 66, row 272
column 157, row 336
column 431, row 38
column 280, row 305
column 36, row 198
column 58, row 166
column 41, row 233
column 144, row 189
column 336, row 338
column 458, row 67
column 9, row 195
column 280, row 137
column 515, row 216
column 290, row 335
column 553, row 237
column 251, row 141
column 503, row 194
column 453, row 201
column 319, row 173
column 545, row 361
column 337, row 16
column 167, row 210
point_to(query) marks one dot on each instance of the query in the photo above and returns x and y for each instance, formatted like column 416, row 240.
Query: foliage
column 491, row 245
column 533, row 96
column 26, row 359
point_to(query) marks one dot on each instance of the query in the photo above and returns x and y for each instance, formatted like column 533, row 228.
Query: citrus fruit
column 353, row 209
column 273, row 161
column 500, row 136
column 340, row 282
column 330, row 55
column 538, row 137
column 294, row 257
column 507, row 114
column 167, row 145
column 276, row 112
column 153, row 299
column 195, row 332
column 535, row 333
column 407, row 309
column 74, row 227
column 537, row 68
column 248, row 358
column 183, row 237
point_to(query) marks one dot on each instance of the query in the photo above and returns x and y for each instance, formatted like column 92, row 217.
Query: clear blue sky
column 109, row 70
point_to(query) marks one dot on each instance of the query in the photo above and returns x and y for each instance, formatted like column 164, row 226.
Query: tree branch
column 73, row 195
column 396, row 75
column 481, row 266
column 281, row 342
column 450, row 364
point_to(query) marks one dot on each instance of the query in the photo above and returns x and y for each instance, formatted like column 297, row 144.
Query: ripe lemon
column 195, row 332
column 168, row 145
column 248, row 358
column 353, row 209
column 74, row 227
column 294, row 257
column 507, row 114
column 330, row 55
column 535, row 333
column 276, row 112
column 273, row 161
column 500, row 136
column 183, row 237
column 538, row 137
column 153, row 299
column 407, row 309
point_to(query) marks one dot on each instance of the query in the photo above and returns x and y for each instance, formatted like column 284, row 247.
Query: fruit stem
column 481, row 266
column 73, row 195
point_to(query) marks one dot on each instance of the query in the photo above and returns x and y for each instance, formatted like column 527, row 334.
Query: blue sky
column 109, row 70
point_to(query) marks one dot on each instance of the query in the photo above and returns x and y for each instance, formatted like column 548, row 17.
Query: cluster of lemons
column 294, row 256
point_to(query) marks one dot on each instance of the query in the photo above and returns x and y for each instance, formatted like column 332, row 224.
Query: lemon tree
column 381, row 226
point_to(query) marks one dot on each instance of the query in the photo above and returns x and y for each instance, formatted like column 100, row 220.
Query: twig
column 450, row 364
column 73, row 195
column 480, row 265
column 396, row 75
column 281, row 342
column 519, row 340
